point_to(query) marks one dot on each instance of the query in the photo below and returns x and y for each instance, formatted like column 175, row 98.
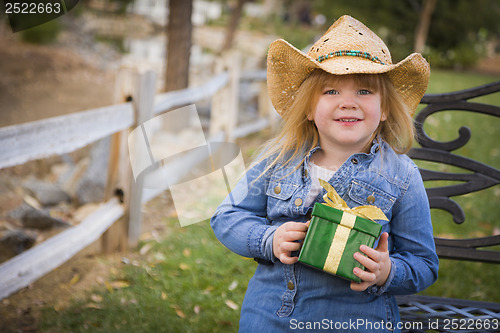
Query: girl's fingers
column 365, row 261
column 291, row 236
column 359, row 286
column 290, row 246
column 296, row 226
column 366, row 276
column 371, row 253
column 383, row 244
column 288, row 260
column 287, row 239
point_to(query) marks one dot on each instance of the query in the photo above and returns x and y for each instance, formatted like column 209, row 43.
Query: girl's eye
column 331, row 92
column 364, row 92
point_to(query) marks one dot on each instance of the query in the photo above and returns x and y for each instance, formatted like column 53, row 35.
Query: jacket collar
column 376, row 145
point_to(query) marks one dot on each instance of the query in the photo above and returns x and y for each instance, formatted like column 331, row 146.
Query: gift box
column 335, row 234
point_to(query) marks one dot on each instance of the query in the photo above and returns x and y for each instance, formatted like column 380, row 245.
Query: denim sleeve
column 413, row 255
column 240, row 222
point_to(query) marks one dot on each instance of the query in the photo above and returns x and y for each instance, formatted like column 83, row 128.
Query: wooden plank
column 173, row 99
column 115, row 238
column 27, row 267
column 119, row 169
column 58, row 135
column 234, row 94
column 224, row 109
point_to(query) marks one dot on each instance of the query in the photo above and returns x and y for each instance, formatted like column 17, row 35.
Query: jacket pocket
column 279, row 192
column 281, row 188
column 363, row 193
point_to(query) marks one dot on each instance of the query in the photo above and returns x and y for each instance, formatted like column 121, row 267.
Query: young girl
column 346, row 113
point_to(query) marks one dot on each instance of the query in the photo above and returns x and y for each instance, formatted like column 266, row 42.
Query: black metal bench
column 439, row 314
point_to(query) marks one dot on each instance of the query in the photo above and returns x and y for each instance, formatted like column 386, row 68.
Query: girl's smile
column 348, row 121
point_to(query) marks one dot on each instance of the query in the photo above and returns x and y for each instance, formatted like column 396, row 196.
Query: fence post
column 140, row 87
column 225, row 103
column 119, row 177
column 266, row 109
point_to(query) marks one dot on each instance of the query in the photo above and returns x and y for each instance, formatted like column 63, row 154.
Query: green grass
column 189, row 282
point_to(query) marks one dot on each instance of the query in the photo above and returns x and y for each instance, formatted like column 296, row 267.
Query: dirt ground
column 42, row 81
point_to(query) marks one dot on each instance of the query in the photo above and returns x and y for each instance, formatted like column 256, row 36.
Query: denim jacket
column 282, row 298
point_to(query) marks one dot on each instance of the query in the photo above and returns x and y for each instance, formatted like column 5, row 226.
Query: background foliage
column 460, row 33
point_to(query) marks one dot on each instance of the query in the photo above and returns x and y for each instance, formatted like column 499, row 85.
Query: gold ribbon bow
column 341, row 235
column 334, row 200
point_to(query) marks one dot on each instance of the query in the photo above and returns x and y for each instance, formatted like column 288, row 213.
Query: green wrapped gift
column 335, row 234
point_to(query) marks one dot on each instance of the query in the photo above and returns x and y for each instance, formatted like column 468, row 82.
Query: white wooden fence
column 64, row 134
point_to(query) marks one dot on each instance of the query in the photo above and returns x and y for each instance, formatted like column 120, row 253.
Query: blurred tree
column 423, row 25
column 179, row 29
column 298, row 11
column 123, row 5
column 460, row 29
column 233, row 24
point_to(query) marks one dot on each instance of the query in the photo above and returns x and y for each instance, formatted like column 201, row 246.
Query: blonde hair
column 298, row 135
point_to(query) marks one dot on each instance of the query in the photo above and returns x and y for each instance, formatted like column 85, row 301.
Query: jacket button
column 298, row 202
column 277, row 189
column 354, row 161
column 290, row 285
column 370, row 199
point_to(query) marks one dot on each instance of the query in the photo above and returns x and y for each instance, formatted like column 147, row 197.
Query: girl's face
column 347, row 114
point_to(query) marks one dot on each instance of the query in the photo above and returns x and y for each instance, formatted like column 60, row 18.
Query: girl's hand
column 284, row 240
column 377, row 264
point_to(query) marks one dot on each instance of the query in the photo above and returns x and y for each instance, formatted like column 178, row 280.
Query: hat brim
column 288, row 67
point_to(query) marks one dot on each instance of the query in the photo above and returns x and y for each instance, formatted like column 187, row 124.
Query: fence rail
column 63, row 134
column 59, row 135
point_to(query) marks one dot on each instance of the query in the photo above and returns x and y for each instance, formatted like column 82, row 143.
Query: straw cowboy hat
column 348, row 47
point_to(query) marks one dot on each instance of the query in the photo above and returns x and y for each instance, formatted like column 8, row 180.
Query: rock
column 93, row 183
column 41, row 219
column 18, row 212
column 16, row 241
column 6, row 226
column 47, row 194
column 70, row 183
column 10, row 196
column 86, row 182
